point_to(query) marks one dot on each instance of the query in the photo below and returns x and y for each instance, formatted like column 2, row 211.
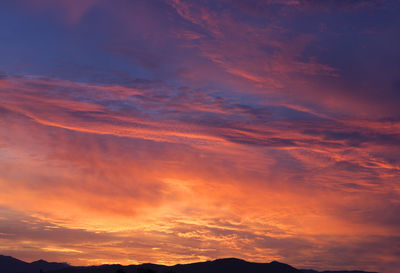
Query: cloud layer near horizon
column 181, row 131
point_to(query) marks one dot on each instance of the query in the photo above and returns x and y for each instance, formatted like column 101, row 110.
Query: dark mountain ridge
column 11, row 265
column 228, row 265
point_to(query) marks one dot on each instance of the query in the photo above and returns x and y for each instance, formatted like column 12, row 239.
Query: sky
column 172, row 131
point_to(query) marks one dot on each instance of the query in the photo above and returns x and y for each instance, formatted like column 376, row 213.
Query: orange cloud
column 187, row 190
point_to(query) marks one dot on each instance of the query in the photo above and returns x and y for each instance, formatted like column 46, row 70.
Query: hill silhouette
column 228, row 265
column 11, row 265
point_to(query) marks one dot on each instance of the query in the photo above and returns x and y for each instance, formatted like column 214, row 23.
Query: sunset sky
column 172, row 131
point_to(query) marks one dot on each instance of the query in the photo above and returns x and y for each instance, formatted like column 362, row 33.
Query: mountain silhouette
column 11, row 265
column 228, row 265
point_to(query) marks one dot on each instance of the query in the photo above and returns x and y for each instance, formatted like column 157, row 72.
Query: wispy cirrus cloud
column 247, row 149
